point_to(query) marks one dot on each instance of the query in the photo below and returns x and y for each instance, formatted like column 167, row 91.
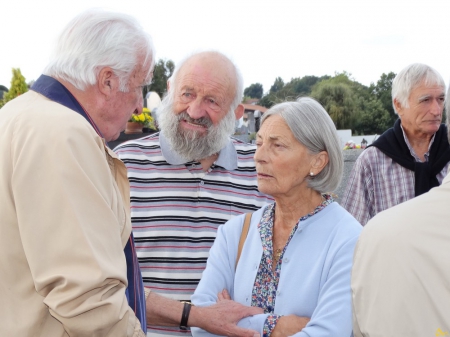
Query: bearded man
column 186, row 181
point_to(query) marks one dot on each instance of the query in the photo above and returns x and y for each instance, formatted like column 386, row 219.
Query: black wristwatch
column 185, row 315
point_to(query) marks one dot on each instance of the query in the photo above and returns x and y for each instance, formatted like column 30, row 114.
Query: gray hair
column 239, row 85
column 409, row 78
column 313, row 127
column 95, row 39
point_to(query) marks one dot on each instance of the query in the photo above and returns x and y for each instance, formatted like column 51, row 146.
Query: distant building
column 250, row 121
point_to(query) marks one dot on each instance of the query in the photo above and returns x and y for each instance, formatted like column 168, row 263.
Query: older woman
column 297, row 256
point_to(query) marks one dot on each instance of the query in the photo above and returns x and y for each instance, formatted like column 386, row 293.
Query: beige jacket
column 63, row 226
column 401, row 270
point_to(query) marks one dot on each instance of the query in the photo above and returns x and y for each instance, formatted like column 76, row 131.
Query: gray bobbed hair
column 409, row 78
column 313, row 128
column 96, row 39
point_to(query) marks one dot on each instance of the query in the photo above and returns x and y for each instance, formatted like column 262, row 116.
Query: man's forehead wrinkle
column 204, row 84
column 199, row 80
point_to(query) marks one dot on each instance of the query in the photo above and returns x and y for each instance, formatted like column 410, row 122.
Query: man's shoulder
column 245, row 152
column 413, row 213
column 243, row 147
column 371, row 153
column 38, row 109
column 370, row 159
column 32, row 111
column 137, row 145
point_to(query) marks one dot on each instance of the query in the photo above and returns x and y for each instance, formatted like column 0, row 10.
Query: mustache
column 204, row 121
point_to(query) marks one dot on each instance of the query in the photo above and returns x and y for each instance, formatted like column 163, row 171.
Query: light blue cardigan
column 314, row 279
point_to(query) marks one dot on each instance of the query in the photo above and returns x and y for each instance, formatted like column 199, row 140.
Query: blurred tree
column 255, row 90
column 18, row 87
column 296, row 87
column 302, row 86
column 383, row 91
column 338, row 96
column 267, row 100
column 277, row 85
column 161, row 73
column 351, row 105
column 373, row 118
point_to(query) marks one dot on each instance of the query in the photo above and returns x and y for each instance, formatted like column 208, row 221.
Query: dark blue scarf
column 392, row 143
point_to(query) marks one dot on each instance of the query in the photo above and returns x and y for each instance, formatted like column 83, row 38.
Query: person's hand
column 222, row 317
column 289, row 325
column 223, row 295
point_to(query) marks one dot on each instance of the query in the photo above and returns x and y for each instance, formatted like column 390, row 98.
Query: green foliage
column 383, row 92
column 297, row 87
column 245, row 99
column 162, row 72
column 18, row 87
column 373, row 118
column 338, row 97
column 351, row 105
column 267, row 100
column 277, row 85
column 255, row 90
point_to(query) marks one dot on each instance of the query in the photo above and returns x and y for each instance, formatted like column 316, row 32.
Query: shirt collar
column 411, row 150
column 227, row 156
column 57, row 92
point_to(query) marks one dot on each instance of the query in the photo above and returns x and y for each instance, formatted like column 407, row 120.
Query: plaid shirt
column 377, row 183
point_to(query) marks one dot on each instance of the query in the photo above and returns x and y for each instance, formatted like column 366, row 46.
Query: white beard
column 191, row 144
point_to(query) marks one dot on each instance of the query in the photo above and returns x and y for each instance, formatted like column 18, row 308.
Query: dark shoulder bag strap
column 244, row 233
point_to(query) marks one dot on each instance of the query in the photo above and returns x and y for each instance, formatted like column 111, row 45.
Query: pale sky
column 265, row 38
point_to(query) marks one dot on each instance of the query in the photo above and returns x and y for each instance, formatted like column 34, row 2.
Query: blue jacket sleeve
column 219, row 274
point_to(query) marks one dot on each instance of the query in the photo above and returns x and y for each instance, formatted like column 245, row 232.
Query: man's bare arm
column 286, row 325
column 220, row 318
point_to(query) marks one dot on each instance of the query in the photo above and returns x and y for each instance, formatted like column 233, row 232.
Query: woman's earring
column 311, row 174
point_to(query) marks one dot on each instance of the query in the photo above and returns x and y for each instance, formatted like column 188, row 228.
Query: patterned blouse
column 266, row 282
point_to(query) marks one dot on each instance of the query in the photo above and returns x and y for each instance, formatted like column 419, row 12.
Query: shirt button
column 201, row 183
column 286, row 260
column 278, row 292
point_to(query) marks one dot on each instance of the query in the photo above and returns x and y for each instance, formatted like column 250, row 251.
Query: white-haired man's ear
column 107, row 82
column 239, row 111
column 398, row 107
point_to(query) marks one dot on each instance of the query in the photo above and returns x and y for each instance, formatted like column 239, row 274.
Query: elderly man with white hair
column 186, row 181
column 408, row 159
column 68, row 265
column 400, row 275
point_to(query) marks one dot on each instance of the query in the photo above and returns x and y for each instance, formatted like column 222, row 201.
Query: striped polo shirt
column 176, row 209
